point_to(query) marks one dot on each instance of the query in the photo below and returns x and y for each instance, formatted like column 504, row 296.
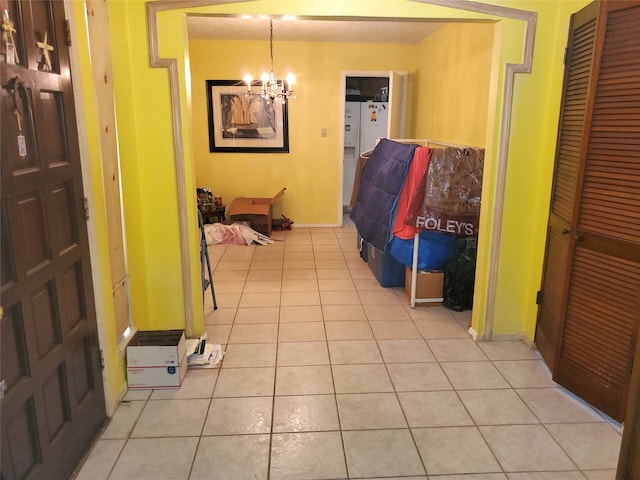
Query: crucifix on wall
column 46, row 48
column 8, row 29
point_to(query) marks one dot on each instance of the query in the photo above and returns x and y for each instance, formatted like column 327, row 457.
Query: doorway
column 374, row 107
column 365, row 118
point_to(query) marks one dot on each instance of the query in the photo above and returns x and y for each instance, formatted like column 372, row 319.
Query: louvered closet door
column 579, row 59
column 603, row 304
column 598, row 299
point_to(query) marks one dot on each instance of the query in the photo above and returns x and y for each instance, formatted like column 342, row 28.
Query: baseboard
column 316, row 225
column 508, row 337
column 474, row 334
column 503, row 337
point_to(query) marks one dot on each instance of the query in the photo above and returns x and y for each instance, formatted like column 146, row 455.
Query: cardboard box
column 156, row 359
column 428, row 284
column 140, row 378
column 257, row 211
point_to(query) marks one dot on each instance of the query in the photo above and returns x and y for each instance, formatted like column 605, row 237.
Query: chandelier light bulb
column 273, row 87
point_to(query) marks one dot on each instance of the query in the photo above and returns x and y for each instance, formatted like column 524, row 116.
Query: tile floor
column 329, row 376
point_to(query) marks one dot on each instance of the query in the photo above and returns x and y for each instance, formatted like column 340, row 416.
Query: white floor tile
column 434, row 409
column 327, row 375
column 317, row 455
column 381, row 453
column 526, row 448
column 303, row 353
column 305, row 413
column 592, row 446
column 235, row 416
column 240, row 456
column 101, row 460
column 171, row 418
column 454, row 450
column 155, row 459
column 370, row 411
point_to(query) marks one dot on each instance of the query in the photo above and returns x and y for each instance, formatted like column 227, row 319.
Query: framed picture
column 243, row 122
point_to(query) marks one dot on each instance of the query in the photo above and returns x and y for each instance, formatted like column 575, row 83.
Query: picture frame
column 240, row 121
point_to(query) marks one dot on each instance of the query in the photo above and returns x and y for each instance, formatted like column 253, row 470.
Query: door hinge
column 67, row 32
column 101, row 359
column 85, row 209
column 566, row 54
column 539, row 297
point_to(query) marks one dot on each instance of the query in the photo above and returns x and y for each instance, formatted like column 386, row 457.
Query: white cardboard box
column 156, row 377
column 156, row 359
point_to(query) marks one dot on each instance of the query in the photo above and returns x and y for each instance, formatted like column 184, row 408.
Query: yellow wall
column 148, row 162
column 148, row 174
column 311, row 169
column 530, row 169
column 451, row 90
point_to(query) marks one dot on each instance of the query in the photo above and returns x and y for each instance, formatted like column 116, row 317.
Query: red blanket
column 417, row 170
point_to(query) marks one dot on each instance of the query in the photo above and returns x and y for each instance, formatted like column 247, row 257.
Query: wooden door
column 569, row 157
column 629, row 461
column 53, row 403
column 590, row 342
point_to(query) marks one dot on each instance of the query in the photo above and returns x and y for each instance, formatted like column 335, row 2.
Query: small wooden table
column 210, row 210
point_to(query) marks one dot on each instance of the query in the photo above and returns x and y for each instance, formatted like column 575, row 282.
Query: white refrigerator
column 351, row 148
column 374, row 117
column 364, row 123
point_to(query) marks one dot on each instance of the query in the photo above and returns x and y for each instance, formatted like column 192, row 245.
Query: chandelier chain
column 273, row 88
column 271, row 41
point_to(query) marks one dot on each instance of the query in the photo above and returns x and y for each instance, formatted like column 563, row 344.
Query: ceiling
column 342, row 30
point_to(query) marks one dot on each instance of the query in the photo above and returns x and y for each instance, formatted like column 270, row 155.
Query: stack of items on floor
column 203, row 354
column 403, row 190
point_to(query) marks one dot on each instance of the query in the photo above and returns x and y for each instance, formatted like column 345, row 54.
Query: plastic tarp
column 448, row 198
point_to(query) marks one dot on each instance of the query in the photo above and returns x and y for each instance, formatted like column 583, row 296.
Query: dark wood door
column 590, row 311
column 53, row 403
column 569, row 158
column 629, row 461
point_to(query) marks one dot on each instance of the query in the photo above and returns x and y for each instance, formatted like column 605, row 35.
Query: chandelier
column 273, row 87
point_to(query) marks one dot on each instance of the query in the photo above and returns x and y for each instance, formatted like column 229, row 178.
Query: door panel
column 54, row 402
column 599, row 329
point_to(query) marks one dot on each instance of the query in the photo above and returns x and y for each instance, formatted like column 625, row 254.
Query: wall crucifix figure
column 46, row 48
column 8, row 29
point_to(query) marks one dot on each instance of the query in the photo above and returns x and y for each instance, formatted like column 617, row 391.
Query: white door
column 397, row 104
column 351, row 148
column 394, row 128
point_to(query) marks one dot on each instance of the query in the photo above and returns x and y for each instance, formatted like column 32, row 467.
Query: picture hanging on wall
column 245, row 122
